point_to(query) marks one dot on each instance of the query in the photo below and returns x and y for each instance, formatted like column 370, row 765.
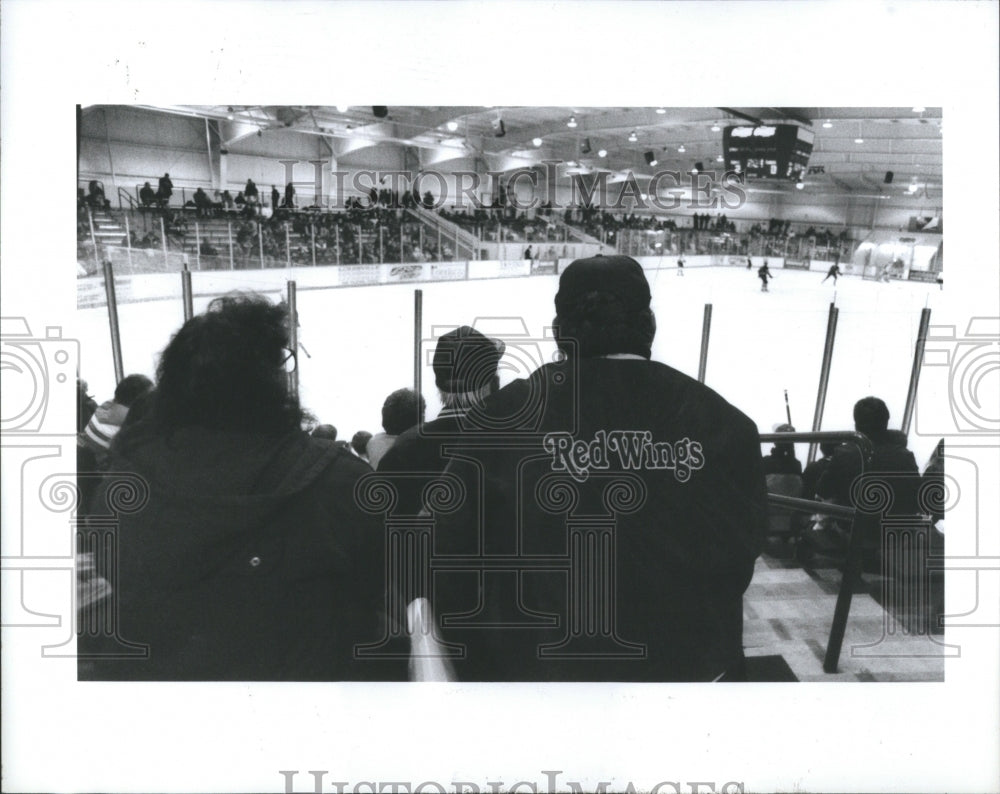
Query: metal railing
column 858, row 520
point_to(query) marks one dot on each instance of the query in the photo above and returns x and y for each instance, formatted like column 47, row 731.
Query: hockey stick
column 788, row 410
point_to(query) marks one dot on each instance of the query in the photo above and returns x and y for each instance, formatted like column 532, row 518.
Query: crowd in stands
column 378, row 227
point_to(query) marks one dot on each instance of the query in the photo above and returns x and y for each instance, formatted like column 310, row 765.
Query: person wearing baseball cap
column 633, row 494
column 465, row 367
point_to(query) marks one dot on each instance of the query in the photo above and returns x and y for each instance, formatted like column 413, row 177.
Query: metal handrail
column 123, row 193
column 852, row 566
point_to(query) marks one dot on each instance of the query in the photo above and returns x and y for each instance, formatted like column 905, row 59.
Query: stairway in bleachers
column 107, row 230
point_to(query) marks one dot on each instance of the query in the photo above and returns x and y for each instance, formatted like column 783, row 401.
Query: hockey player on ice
column 833, row 271
column 680, row 266
column 763, row 274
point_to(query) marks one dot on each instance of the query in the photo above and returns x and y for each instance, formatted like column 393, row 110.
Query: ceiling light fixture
column 452, row 126
column 720, row 159
column 661, row 111
column 602, row 152
column 536, row 141
column 827, row 124
column 919, row 110
column 716, row 128
column 633, row 137
column 799, row 185
column 572, row 122
column 681, row 149
column 341, row 108
column 654, row 162
column 859, row 140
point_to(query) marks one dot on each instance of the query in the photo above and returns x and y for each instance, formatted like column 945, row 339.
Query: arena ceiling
column 853, row 147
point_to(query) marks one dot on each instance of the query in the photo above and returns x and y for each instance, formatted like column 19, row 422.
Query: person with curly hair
column 246, row 556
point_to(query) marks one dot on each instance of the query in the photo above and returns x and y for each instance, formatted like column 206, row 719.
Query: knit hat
column 621, row 276
column 465, row 360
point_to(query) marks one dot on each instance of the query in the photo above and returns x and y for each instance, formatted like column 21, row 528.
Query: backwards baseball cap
column 465, row 360
column 621, row 276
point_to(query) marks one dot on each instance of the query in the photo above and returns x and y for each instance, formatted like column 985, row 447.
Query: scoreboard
column 776, row 151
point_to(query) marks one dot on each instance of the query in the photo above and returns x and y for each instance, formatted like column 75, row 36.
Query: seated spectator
column 107, row 419
column 359, row 444
column 401, row 410
column 94, row 440
column 249, row 560
column 227, row 200
column 85, row 405
column 207, row 249
column 465, row 371
column 147, row 196
column 783, row 474
column 327, row 432
column 95, row 197
column 815, row 470
column 781, row 459
column 890, row 457
column 202, row 203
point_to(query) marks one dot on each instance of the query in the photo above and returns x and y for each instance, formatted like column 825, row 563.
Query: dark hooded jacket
column 248, row 559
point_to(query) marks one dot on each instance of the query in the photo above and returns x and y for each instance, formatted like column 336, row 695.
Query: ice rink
column 358, row 341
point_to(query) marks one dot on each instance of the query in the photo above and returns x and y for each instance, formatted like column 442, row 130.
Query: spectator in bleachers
column 85, row 405
column 815, row 470
column 96, row 198
column 359, row 444
column 328, row 432
column 250, row 560
column 465, row 372
column 890, row 458
column 275, row 197
column 684, row 537
column 202, row 203
column 250, row 192
column 227, row 200
column 871, row 417
column 107, row 419
column 781, row 459
column 289, row 202
column 402, row 409
column 164, row 190
column 147, row 196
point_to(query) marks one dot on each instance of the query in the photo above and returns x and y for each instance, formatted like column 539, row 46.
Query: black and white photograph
column 622, row 435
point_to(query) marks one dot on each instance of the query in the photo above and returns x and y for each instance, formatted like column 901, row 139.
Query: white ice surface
column 360, row 340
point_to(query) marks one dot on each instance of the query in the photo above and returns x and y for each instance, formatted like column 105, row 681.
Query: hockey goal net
column 885, row 271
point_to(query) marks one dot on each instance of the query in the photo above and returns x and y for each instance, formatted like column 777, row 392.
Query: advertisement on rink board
column 796, row 264
column 392, row 274
column 357, row 275
column 447, row 271
column 543, row 268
